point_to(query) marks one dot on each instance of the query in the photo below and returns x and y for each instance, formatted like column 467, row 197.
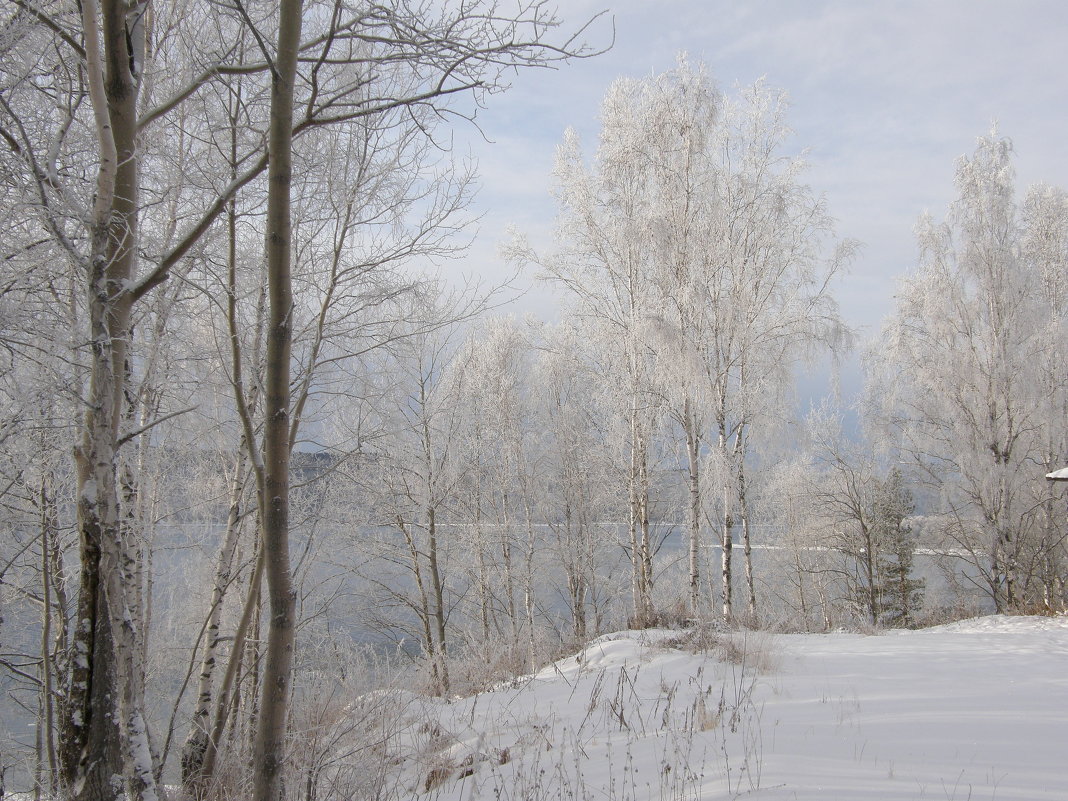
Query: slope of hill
column 973, row 710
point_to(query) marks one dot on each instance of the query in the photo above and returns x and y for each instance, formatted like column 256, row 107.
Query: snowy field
column 973, row 710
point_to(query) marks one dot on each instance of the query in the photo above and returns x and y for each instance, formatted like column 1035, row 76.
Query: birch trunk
column 726, row 543
column 747, row 545
column 423, row 611
column 226, row 700
column 436, row 585
column 641, row 552
column 648, row 612
column 484, row 591
column 692, row 446
column 727, row 546
column 196, row 743
column 49, row 535
column 106, row 695
column 632, row 510
column 528, row 585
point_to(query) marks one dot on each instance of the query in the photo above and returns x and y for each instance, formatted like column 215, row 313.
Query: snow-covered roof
column 1058, row 475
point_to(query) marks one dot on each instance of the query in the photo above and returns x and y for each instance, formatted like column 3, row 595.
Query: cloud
column 885, row 95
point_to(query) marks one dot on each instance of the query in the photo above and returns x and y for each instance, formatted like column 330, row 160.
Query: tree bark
column 271, row 732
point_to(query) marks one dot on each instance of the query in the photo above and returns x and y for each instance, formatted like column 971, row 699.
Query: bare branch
column 148, row 426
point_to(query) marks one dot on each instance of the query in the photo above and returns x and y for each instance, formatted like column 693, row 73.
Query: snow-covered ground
column 973, row 710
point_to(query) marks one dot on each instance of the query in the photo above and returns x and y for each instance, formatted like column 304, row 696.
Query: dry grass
column 755, row 650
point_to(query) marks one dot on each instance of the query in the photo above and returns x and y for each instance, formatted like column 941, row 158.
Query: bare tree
column 418, row 467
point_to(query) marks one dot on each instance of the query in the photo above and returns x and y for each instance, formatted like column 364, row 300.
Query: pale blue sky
column 885, row 96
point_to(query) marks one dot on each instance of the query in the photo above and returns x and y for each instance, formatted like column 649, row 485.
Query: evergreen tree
column 900, row 595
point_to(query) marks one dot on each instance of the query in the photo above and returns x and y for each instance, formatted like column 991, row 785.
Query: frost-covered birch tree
column 968, row 373
column 766, row 292
column 604, row 225
column 693, row 238
column 1045, row 222
column 682, row 125
column 501, row 499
